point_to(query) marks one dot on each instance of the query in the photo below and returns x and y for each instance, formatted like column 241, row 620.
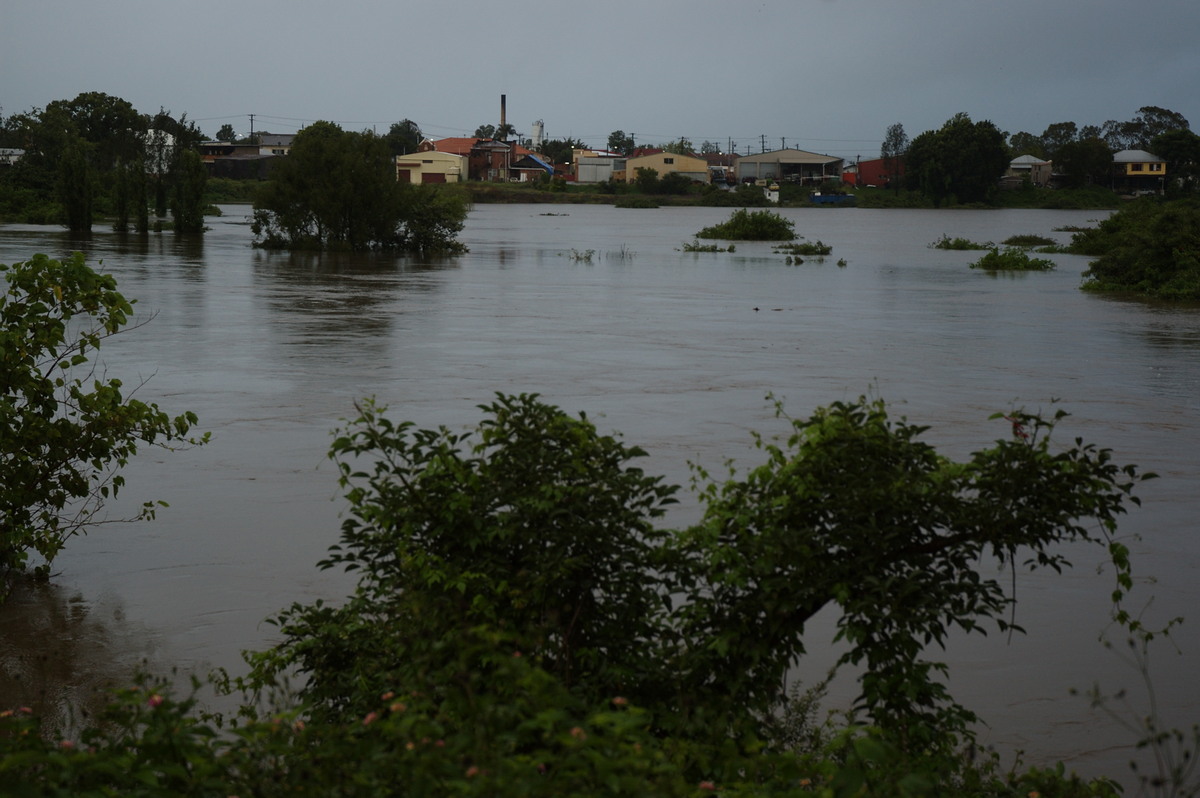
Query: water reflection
column 60, row 652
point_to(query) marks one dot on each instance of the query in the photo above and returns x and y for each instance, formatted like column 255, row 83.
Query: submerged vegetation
column 1150, row 248
column 946, row 242
column 746, row 225
column 1012, row 259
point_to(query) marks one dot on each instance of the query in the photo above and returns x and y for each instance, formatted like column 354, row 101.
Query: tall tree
column 76, row 187
column 561, row 150
column 227, row 133
column 619, row 142
column 1181, row 150
column 1084, row 162
column 962, row 161
column 1022, row 143
column 1056, row 136
column 338, row 190
column 188, row 178
column 403, row 137
column 893, row 150
column 680, row 146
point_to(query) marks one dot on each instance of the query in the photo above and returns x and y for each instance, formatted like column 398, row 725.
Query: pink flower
column 388, row 696
column 370, row 718
column 154, row 701
column 66, row 745
column 399, row 706
column 707, row 785
column 472, row 772
column 620, row 702
column 578, row 733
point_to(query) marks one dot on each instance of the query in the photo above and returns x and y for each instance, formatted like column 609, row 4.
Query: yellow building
column 431, row 167
column 665, row 163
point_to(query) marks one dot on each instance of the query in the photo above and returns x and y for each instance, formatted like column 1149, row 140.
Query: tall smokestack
column 501, row 134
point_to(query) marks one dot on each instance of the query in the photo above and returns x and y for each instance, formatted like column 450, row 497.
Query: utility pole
column 251, row 128
column 783, row 142
column 764, row 142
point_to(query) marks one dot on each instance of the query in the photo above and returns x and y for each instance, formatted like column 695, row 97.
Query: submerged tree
column 338, row 190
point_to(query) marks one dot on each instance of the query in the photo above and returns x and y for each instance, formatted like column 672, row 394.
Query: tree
column 1022, row 143
column 1084, row 162
column 646, row 180
column 709, row 148
column 111, row 125
column 562, row 150
column 619, row 142
column 893, row 150
column 497, row 132
column 1056, row 136
column 1181, row 150
column 680, row 146
column 66, row 430
column 77, row 187
column 538, row 534
column 403, row 137
column 338, row 190
column 188, row 178
column 962, row 161
column 227, row 133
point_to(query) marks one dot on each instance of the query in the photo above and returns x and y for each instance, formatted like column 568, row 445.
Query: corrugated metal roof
column 789, row 156
column 1136, row 156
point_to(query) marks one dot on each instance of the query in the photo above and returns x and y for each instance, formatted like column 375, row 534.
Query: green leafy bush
column 746, row 225
column 1148, row 247
column 1012, row 259
column 65, row 430
column 523, row 627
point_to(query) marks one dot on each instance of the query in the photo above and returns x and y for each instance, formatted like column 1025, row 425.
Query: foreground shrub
column 522, row 626
column 745, row 225
column 66, row 429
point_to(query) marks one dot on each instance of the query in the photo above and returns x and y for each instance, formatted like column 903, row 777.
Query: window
column 668, row 160
column 1135, row 167
column 1156, row 167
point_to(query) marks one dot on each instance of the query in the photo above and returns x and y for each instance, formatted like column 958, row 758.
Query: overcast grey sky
column 823, row 75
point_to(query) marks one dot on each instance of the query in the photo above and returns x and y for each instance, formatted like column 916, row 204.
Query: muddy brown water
column 675, row 350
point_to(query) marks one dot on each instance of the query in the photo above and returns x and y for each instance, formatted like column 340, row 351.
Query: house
column 487, row 159
column 528, row 168
column 792, row 166
column 431, row 166
column 1023, row 169
column 275, row 143
column 1138, row 171
column 690, row 166
column 9, row 156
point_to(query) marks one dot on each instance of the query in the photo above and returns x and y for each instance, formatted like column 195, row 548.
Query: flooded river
column 675, row 350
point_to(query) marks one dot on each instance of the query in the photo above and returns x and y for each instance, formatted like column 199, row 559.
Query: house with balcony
column 1138, row 171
